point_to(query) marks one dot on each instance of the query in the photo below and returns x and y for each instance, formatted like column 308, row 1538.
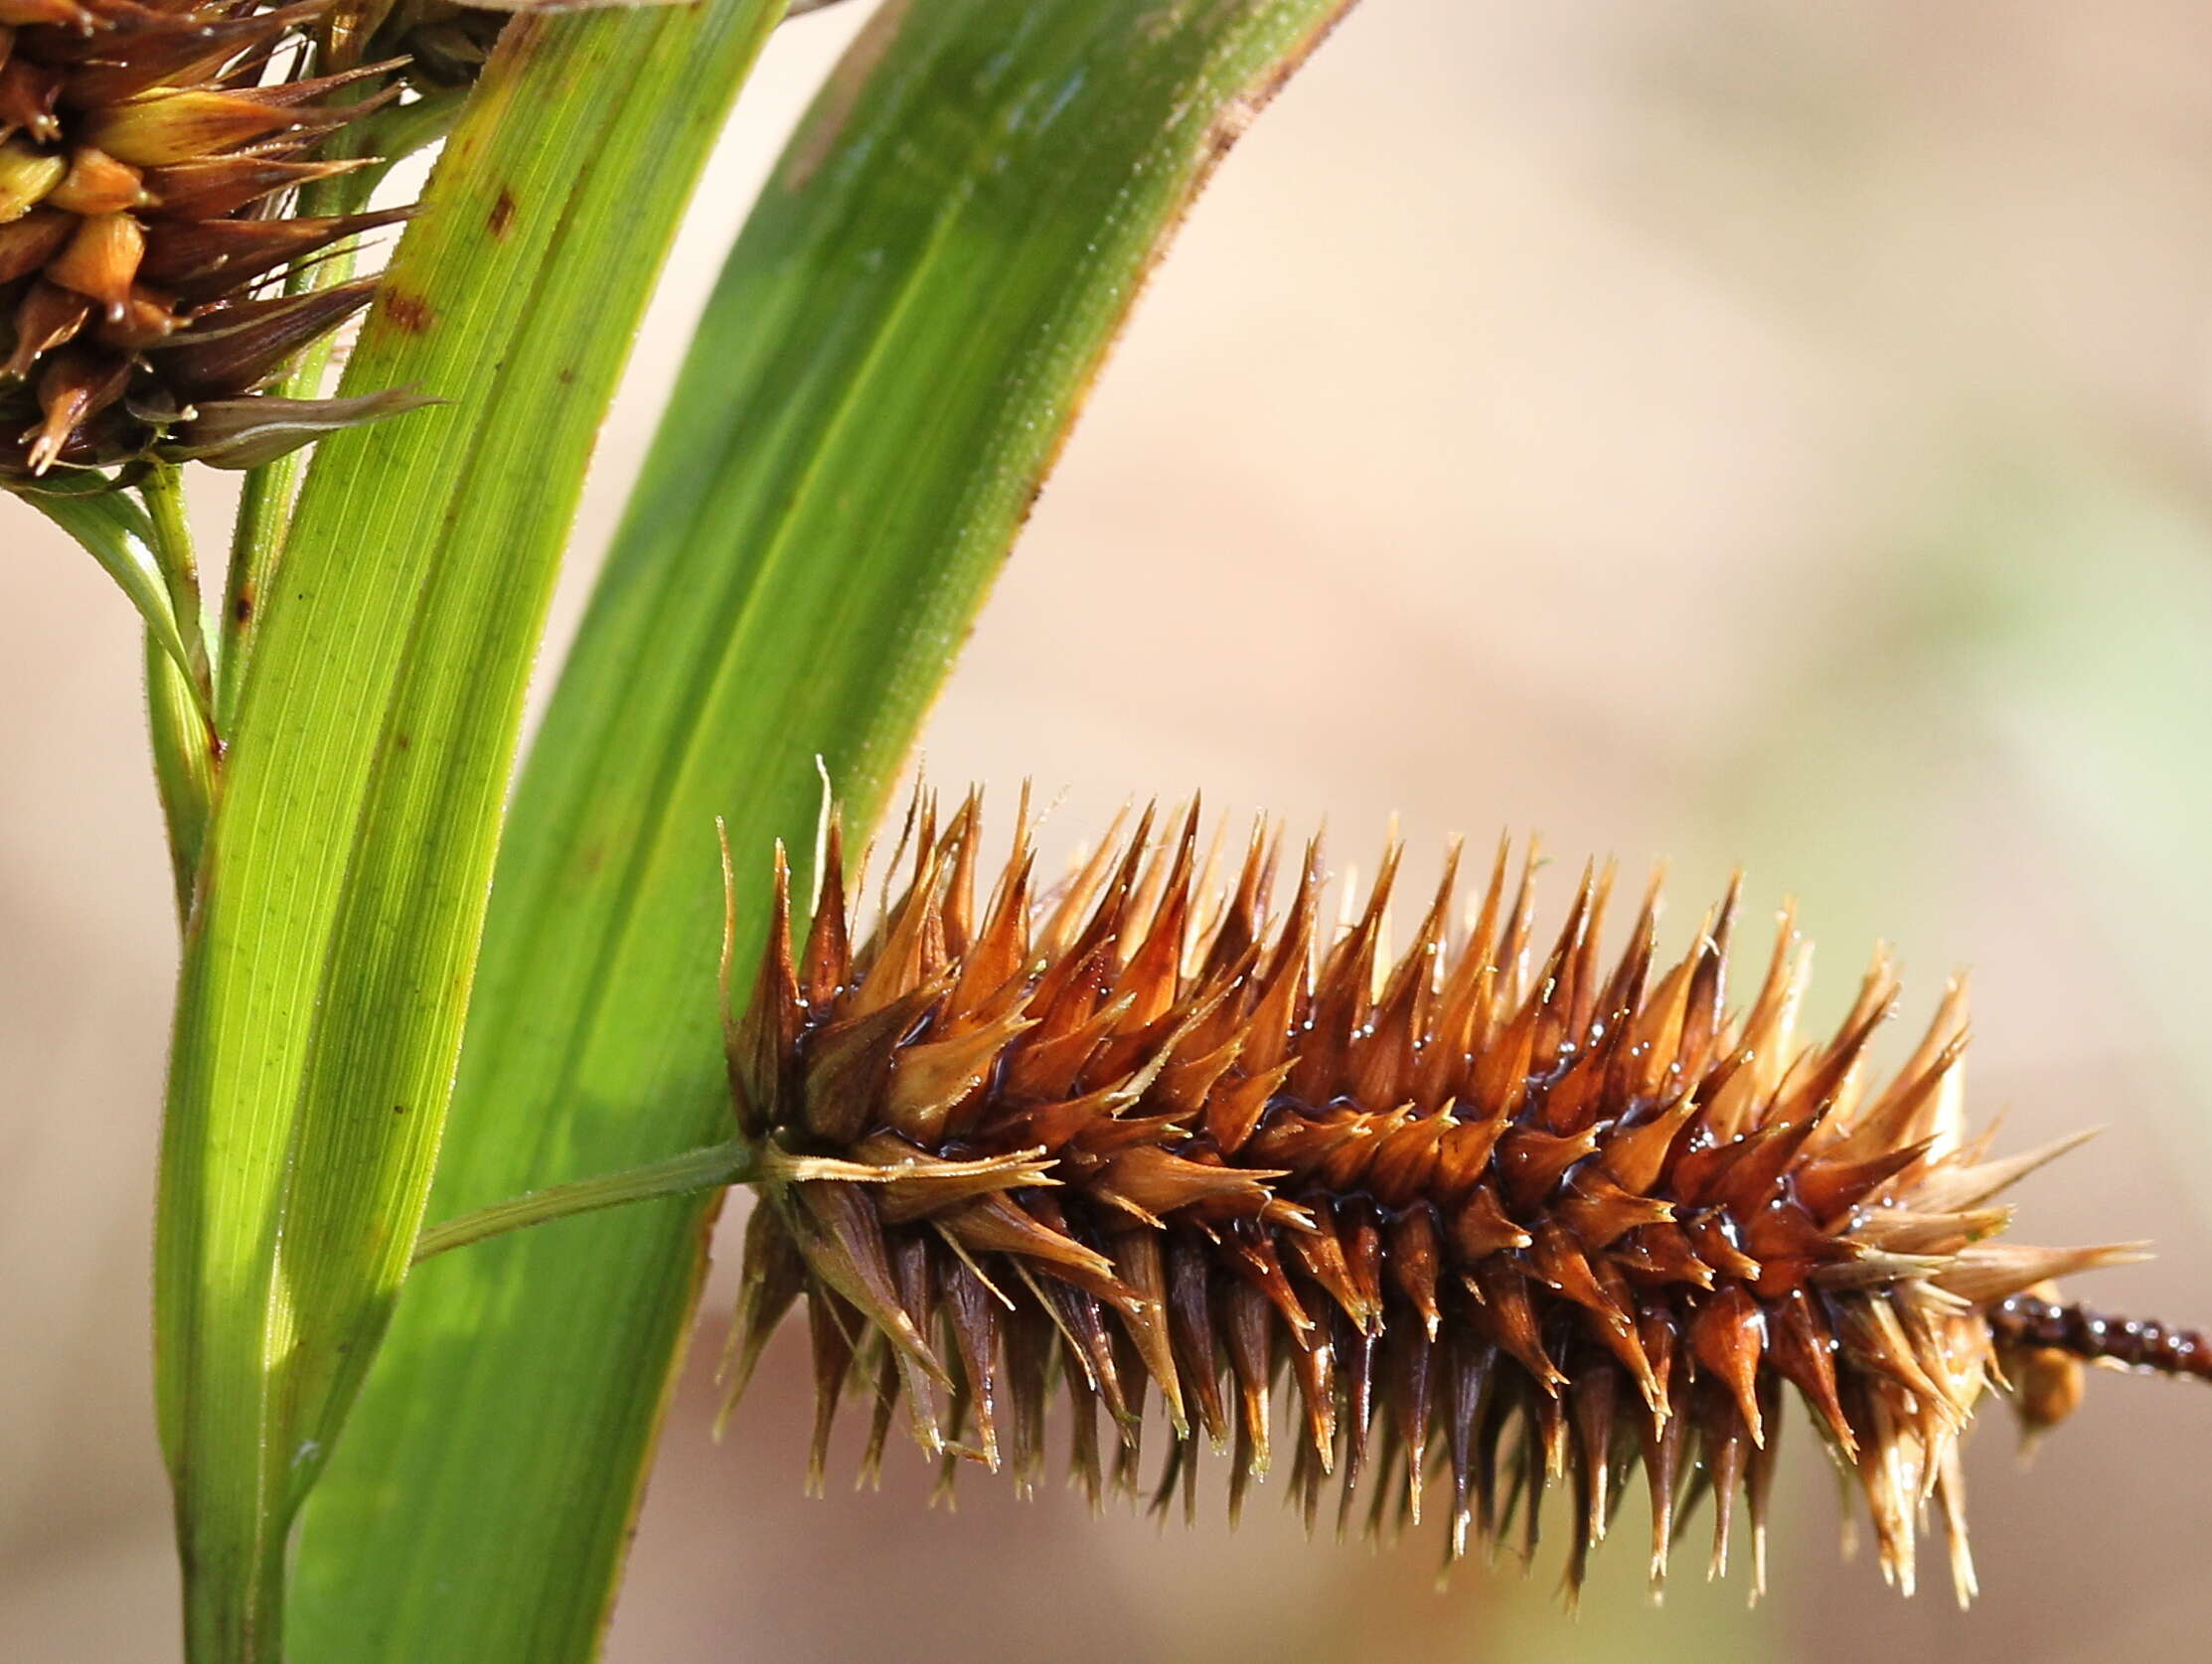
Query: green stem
column 237, row 1617
column 695, row 1169
column 116, row 532
column 163, row 493
column 186, row 746
column 393, row 134
column 185, row 758
column 124, row 540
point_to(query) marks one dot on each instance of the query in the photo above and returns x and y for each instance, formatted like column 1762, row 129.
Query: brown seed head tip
column 1493, row 1210
column 141, row 150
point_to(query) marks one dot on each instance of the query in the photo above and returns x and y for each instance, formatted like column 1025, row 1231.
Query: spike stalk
column 186, row 752
column 174, row 550
column 180, row 696
column 141, row 552
column 711, row 1167
column 2029, row 1320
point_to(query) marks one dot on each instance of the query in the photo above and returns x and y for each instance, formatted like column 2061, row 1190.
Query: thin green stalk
column 174, row 550
column 186, row 746
column 710, row 1168
column 122, row 536
column 116, row 532
column 187, row 757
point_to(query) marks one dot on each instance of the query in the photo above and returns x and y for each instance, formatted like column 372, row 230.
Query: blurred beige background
column 1733, row 430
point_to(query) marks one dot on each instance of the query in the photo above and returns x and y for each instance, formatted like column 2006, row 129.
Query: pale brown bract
column 1503, row 1219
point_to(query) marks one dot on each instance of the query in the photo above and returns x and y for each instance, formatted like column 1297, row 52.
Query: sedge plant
column 1495, row 1218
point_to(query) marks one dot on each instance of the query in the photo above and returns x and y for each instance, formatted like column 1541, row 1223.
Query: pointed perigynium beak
column 1475, row 1220
column 137, row 254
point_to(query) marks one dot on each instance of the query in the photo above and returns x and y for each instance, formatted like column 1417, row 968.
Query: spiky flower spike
column 1504, row 1219
column 141, row 147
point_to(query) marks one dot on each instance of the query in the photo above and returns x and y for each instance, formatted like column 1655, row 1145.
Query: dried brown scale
column 145, row 151
column 1449, row 1230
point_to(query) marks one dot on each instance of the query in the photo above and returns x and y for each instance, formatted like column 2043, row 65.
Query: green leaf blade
column 329, row 955
column 891, row 359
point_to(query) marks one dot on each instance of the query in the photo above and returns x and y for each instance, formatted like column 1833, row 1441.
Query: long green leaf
column 332, row 946
column 893, row 355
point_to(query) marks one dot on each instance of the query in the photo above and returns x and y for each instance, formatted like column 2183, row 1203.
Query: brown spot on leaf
column 242, row 605
column 502, row 214
column 408, row 310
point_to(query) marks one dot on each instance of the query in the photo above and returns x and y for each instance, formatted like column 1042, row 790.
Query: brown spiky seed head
column 1505, row 1214
column 143, row 146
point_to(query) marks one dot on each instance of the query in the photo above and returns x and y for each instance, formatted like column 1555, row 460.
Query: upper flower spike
column 141, row 146
column 1503, row 1215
